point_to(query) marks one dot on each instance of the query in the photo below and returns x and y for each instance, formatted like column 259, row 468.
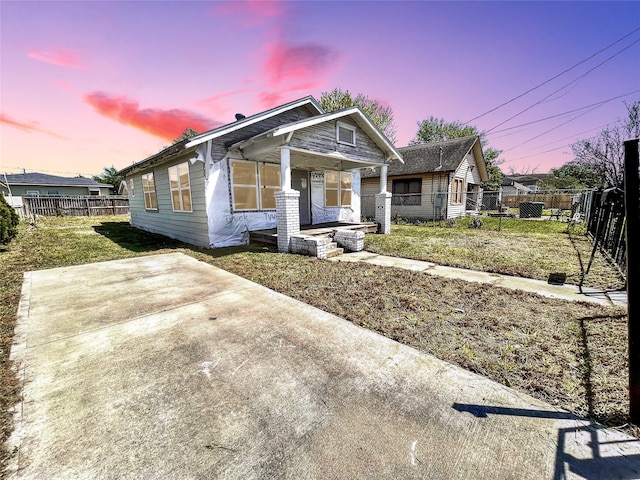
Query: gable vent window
column 346, row 134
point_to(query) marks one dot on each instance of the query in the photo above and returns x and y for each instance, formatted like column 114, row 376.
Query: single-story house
column 530, row 181
column 437, row 180
column 510, row 186
column 289, row 166
column 40, row 184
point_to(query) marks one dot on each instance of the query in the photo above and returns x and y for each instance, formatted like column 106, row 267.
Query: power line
column 552, row 78
column 552, row 129
column 564, row 86
column 565, row 113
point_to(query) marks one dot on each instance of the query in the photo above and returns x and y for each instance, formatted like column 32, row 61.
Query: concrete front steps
column 323, row 240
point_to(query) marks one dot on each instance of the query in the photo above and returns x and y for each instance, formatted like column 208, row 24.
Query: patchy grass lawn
column 572, row 355
column 525, row 248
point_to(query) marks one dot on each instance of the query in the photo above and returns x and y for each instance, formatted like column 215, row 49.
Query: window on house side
column 337, row 189
column 407, row 191
column 133, row 191
column 254, row 185
column 457, row 191
column 149, row 190
column 180, row 185
column 345, row 134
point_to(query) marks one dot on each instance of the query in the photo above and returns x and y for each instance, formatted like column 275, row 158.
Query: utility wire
column 552, row 78
column 564, row 86
column 564, row 113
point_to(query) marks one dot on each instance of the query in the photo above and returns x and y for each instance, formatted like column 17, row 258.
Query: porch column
column 287, row 204
column 383, row 204
column 285, row 169
column 383, row 178
column 383, row 212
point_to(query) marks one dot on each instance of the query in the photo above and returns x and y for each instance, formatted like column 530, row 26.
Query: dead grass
column 525, row 248
column 572, row 355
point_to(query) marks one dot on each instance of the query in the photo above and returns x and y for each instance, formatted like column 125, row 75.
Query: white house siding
column 470, row 176
column 189, row 227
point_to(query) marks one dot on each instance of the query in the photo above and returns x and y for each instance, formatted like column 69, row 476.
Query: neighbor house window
column 457, row 190
column 180, row 187
column 407, row 191
column 33, row 192
column 132, row 189
column 53, row 192
column 345, row 133
column 337, row 188
column 254, row 185
column 149, row 190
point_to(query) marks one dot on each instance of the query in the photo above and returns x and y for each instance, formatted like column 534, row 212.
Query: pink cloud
column 252, row 12
column 297, row 63
column 272, row 99
column 30, row 127
column 166, row 124
column 62, row 58
column 216, row 103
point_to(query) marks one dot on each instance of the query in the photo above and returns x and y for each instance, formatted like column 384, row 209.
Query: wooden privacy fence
column 76, row 205
column 561, row 200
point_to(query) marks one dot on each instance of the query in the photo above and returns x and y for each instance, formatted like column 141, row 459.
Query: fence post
column 632, row 211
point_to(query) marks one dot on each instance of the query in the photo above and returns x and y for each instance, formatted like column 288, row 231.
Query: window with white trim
column 345, row 134
column 132, row 190
column 149, row 190
column 337, row 188
column 254, row 184
column 180, row 186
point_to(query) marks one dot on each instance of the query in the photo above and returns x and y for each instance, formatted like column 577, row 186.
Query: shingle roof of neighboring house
column 425, row 158
column 44, row 179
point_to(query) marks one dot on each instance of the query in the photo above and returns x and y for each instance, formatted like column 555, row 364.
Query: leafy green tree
column 571, row 175
column 109, row 176
column 8, row 221
column 186, row 134
column 603, row 155
column 435, row 129
column 380, row 115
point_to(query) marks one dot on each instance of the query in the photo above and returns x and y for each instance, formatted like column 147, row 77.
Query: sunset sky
column 86, row 85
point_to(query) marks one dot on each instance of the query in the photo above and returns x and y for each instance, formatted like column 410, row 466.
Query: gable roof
column 53, row 180
column 193, row 142
column 354, row 113
column 425, row 158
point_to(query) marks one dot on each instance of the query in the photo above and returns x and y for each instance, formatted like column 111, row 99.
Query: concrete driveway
column 163, row 367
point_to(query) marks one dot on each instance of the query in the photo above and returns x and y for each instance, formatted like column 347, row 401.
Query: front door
column 300, row 182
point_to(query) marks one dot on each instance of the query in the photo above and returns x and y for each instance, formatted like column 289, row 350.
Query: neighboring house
column 511, row 187
column 530, row 181
column 438, row 180
column 40, row 184
column 291, row 165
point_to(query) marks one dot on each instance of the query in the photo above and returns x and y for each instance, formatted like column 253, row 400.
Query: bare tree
column 604, row 153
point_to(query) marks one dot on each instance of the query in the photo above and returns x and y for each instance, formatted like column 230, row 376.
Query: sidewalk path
column 564, row 292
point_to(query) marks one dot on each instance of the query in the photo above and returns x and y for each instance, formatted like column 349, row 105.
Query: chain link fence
column 561, row 205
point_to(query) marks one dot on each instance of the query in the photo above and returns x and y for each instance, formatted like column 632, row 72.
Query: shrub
column 8, row 221
column 476, row 223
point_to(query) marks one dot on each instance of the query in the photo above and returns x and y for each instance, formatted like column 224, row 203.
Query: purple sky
column 86, row 85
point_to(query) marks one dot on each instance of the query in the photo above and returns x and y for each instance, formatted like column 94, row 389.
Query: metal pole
column 632, row 212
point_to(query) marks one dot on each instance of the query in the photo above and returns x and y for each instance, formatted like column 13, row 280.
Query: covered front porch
column 319, row 191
